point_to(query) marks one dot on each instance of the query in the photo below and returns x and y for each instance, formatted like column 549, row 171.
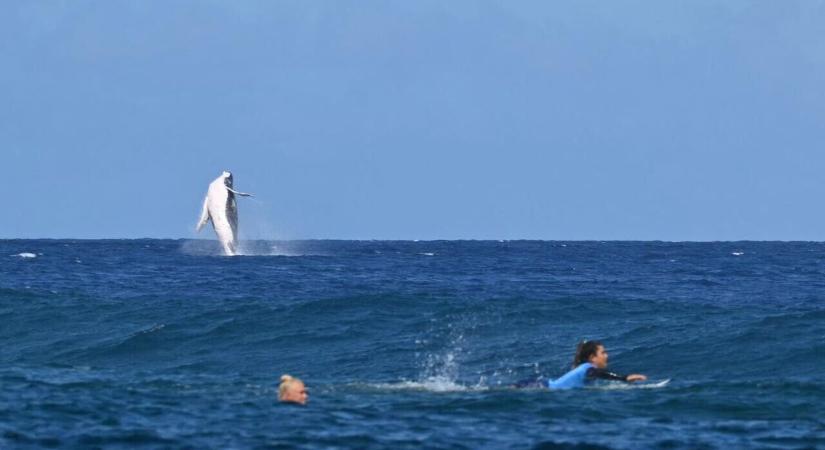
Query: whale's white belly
column 224, row 214
column 221, row 209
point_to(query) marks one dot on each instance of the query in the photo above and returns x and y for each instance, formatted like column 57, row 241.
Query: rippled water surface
column 165, row 344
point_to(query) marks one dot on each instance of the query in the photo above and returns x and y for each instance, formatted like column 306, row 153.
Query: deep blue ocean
column 404, row 344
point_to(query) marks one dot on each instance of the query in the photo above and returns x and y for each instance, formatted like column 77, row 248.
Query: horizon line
column 416, row 240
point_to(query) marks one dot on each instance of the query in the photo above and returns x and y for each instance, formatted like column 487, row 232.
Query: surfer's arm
column 594, row 373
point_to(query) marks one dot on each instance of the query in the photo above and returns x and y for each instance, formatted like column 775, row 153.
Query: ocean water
column 402, row 344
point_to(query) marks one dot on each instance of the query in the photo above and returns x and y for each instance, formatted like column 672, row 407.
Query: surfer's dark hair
column 584, row 351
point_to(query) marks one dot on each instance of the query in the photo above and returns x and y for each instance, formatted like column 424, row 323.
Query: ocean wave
column 148, row 334
column 30, row 294
column 146, row 339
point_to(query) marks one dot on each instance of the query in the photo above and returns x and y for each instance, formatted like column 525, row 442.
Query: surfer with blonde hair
column 292, row 390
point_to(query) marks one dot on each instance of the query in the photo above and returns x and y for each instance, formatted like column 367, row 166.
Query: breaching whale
column 220, row 207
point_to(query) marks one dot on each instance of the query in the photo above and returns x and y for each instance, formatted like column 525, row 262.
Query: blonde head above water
column 292, row 390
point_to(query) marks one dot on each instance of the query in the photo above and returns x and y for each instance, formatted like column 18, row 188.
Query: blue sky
column 416, row 120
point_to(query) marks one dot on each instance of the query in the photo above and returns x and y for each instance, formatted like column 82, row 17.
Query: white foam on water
column 434, row 384
column 738, row 253
column 628, row 386
column 25, row 255
column 440, row 371
column 205, row 247
column 427, row 254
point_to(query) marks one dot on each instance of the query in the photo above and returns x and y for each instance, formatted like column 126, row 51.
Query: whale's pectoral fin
column 204, row 215
column 242, row 194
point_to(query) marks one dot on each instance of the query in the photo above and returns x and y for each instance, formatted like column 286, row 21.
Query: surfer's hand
column 636, row 377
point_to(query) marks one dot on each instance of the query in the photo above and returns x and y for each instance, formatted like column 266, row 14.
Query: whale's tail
column 204, row 215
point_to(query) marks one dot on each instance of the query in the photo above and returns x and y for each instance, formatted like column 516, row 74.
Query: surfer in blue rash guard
column 589, row 364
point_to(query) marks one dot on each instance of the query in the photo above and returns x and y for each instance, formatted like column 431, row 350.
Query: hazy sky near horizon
column 700, row 120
